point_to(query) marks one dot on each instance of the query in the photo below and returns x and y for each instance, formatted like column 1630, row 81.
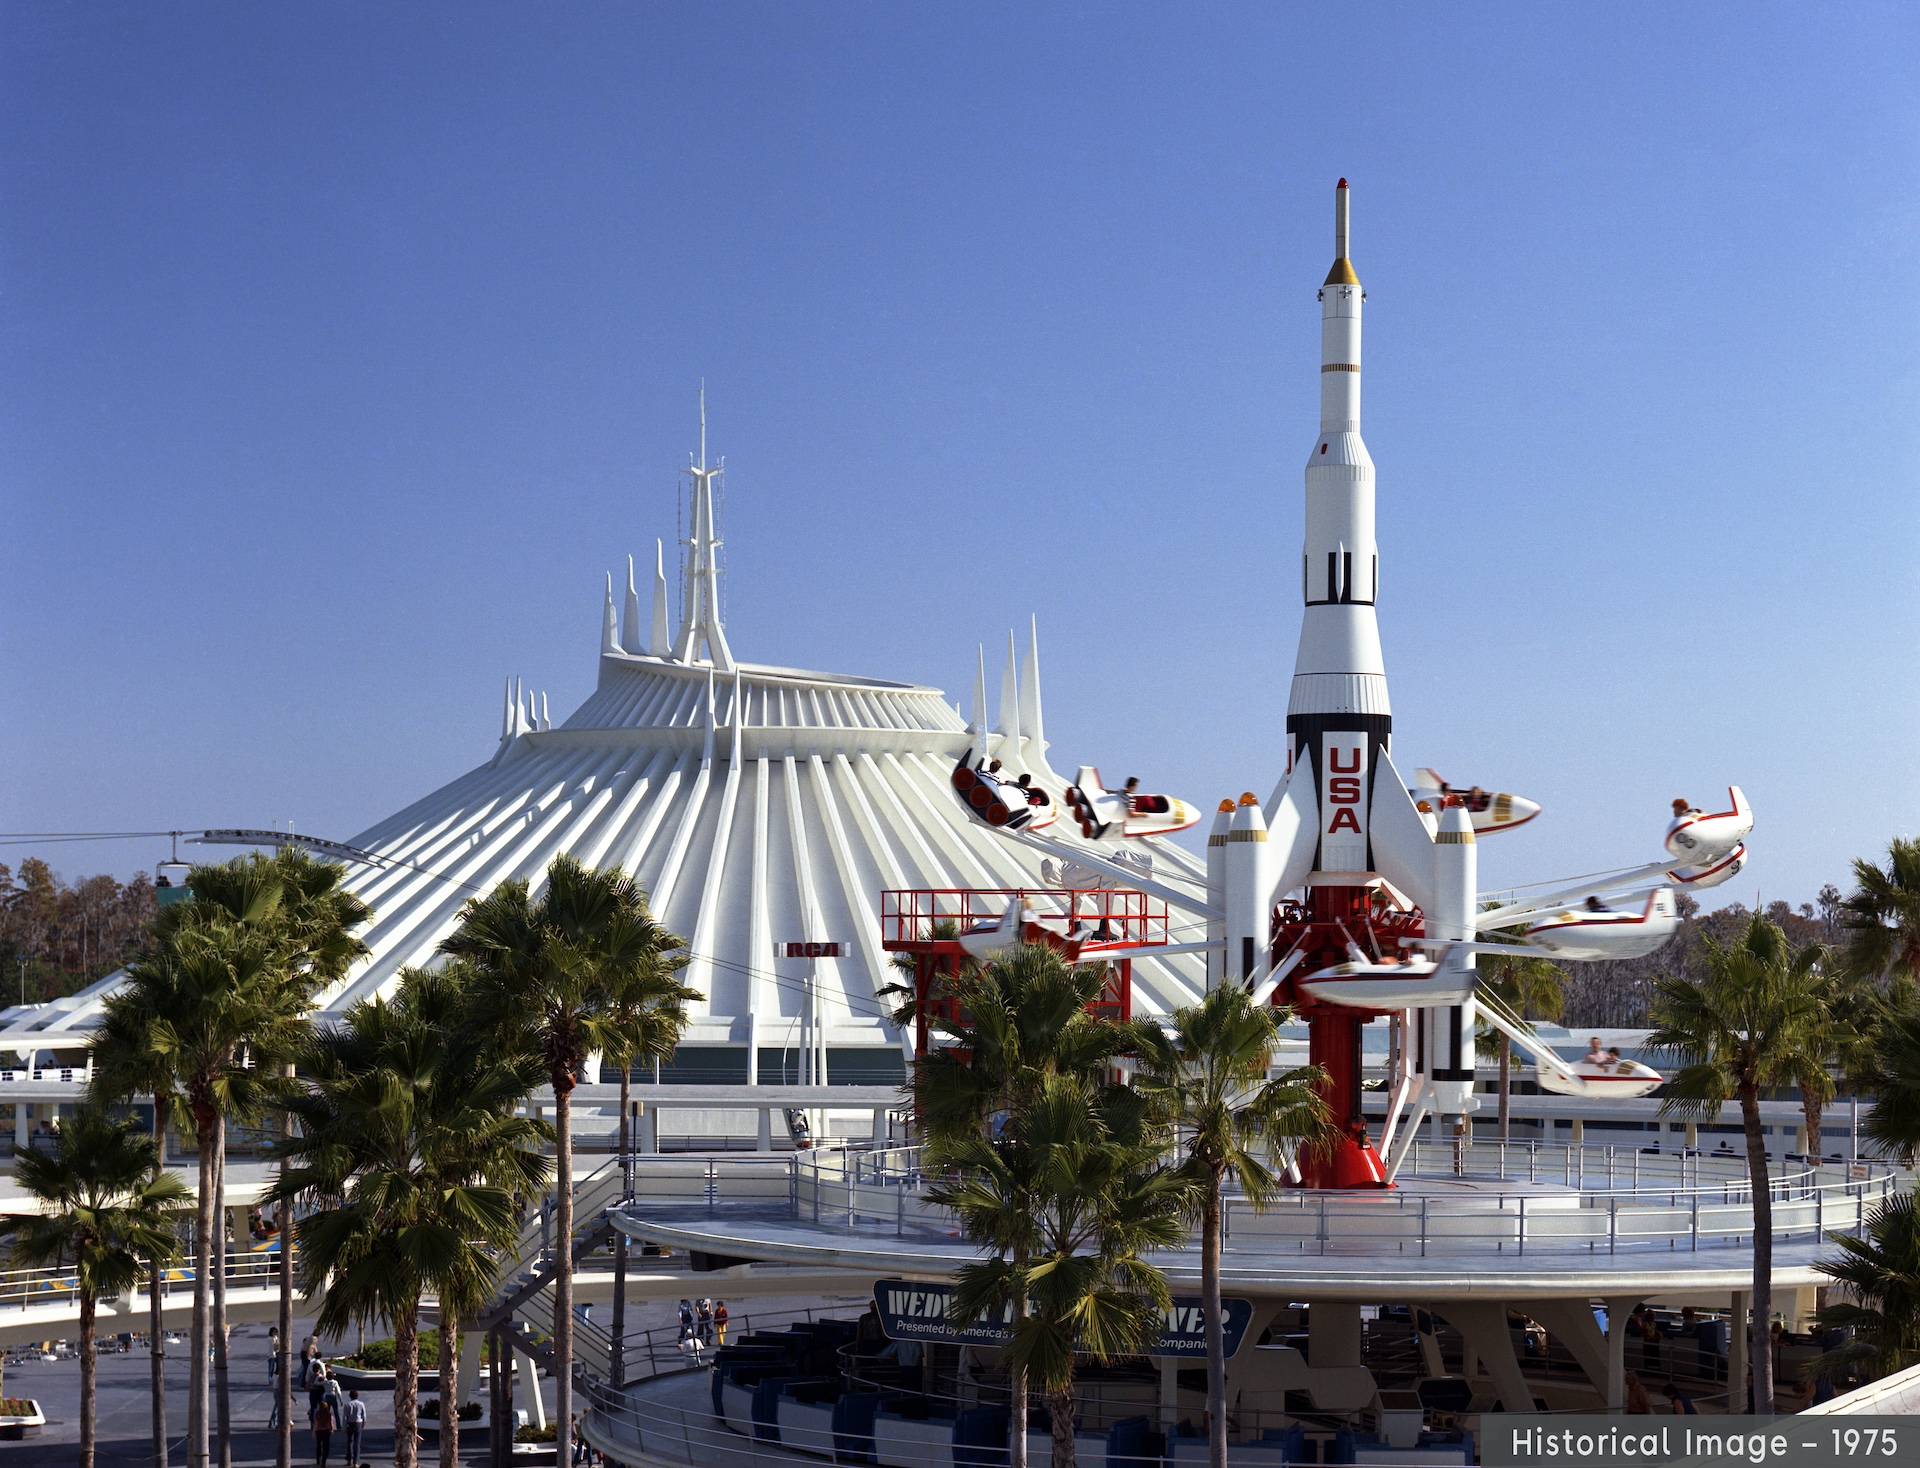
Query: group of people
column 702, row 1325
column 329, row 1408
column 1600, row 1056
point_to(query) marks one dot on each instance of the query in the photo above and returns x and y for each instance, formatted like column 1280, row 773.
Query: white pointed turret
column 1217, row 894
column 1031, row 721
column 506, row 711
column 630, row 620
column 702, row 637
column 1010, row 703
column 546, row 719
column 979, row 724
column 660, row 644
column 609, row 622
column 1247, row 883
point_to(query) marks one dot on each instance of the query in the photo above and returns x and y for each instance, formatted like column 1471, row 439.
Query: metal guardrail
column 21, row 1288
column 1576, row 1200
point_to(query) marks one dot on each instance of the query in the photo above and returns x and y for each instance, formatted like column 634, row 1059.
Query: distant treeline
column 68, row 935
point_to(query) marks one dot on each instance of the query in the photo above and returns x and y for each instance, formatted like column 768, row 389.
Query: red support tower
column 1325, row 929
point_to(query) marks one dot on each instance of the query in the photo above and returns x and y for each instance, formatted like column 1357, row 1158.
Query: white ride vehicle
column 1595, row 930
column 1001, row 801
column 1606, row 1079
column 1489, row 810
column 1128, row 812
column 1697, row 837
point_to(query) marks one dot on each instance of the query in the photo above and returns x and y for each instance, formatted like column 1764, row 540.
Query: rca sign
column 812, row 950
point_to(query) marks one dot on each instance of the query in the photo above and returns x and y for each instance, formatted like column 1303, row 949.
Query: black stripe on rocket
column 1339, row 583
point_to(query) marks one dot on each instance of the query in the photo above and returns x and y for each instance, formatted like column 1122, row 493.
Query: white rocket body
column 1338, row 716
column 1249, row 888
column 1217, row 895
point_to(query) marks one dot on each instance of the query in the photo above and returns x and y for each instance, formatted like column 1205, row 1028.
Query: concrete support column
column 1333, row 1334
column 1738, row 1397
column 1616, row 1388
column 1579, row 1131
column 880, row 1137
column 1571, row 1323
column 1169, row 1392
column 472, row 1343
column 1483, row 1324
column 648, row 1139
column 1693, row 1134
column 763, row 1137
column 22, row 1132
column 527, row 1373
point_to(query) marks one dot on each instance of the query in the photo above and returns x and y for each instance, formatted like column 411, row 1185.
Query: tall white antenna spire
column 701, row 631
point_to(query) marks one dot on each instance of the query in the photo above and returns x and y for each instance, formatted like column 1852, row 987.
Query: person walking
column 316, row 1391
column 720, row 1321
column 686, row 1319
column 322, row 1433
column 356, row 1422
column 703, row 1320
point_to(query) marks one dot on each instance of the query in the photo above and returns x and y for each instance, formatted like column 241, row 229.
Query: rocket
column 1338, row 716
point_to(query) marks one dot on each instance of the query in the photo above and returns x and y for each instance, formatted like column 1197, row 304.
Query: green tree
column 647, row 1014
column 1881, row 916
column 1881, row 1274
column 104, row 1210
column 1746, row 1027
column 1893, row 1122
column 1019, row 1021
column 1206, row 1077
column 1075, row 1183
column 186, row 1019
column 1529, row 986
column 408, row 1147
column 546, row 970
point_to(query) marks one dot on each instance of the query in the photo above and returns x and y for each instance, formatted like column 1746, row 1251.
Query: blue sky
column 346, row 349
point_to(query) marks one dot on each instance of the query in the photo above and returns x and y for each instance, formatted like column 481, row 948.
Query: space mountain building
column 759, row 807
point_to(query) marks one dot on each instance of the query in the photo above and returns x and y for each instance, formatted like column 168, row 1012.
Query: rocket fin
column 1402, row 848
column 1293, row 832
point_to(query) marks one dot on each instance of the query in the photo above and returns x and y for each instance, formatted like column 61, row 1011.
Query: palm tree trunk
column 89, row 1390
column 1017, row 1377
column 283, row 1383
column 563, row 1275
column 156, row 1318
column 1060, row 1408
column 406, row 1387
column 449, row 1386
column 202, row 1297
column 619, row 1326
column 1506, row 1084
column 1216, row 1334
column 223, row 1424
column 1811, row 1107
column 1760, row 1346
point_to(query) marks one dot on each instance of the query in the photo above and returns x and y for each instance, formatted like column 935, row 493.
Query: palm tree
column 189, row 1013
column 1529, row 986
column 1882, row 915
column 105, row 1207
column 1075, row 1177
column 409, row 1149
column 547, row 970
column 1207, row 1078
column 122, row 1069
column 1019, row 1021
column 1882, row 1274
column 1894, row 1120
column 647, row 1011
column 1746, row 1027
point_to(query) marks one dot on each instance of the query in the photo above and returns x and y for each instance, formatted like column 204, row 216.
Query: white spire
column 609, row 623
column 1030, row 720
column 1010, row 702
column 700, row 628
column 546, row 719
column 506, row 711
column 630, row 621
column 738, row 715
column 659, row 646
column 706, row 745
column 979, row 725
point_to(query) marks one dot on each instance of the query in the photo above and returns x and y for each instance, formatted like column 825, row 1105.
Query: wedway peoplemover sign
column 920, row 1312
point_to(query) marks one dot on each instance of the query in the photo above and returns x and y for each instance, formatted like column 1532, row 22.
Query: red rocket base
column 1323, row 926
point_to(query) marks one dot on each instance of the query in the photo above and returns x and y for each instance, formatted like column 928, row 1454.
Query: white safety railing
column 1529, row 1198
column 21, row 1288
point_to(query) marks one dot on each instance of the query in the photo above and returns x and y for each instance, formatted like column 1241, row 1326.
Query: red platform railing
column 1115, row 917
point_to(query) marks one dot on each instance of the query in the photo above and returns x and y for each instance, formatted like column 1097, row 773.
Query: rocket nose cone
column 1341, row 185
